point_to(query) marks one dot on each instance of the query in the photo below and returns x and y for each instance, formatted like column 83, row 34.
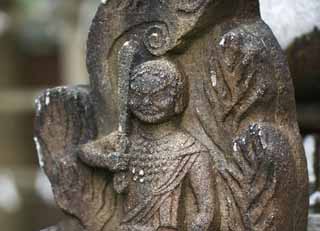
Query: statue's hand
column 117, row 161
column 107, row 152
column 123, row 143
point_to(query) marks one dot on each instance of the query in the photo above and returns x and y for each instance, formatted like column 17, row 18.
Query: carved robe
column 156, row 175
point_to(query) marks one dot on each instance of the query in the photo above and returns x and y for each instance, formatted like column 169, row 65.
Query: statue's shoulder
column 184, row 143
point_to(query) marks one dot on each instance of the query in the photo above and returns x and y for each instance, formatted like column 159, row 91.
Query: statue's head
column 157, row 91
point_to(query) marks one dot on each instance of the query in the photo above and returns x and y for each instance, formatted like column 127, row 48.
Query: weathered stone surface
column 188, row 124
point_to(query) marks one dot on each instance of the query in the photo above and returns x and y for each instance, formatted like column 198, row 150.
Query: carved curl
column 157, row 39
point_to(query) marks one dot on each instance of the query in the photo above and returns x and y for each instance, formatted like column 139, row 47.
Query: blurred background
column 42, row 45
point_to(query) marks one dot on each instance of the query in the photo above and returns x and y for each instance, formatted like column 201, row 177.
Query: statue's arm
column 103, row 153
column 203, row 185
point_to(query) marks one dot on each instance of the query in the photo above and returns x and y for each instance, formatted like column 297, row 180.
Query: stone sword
column 125, row 60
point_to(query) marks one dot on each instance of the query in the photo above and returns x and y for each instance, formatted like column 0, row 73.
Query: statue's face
column 152, row 96
column 152, row 105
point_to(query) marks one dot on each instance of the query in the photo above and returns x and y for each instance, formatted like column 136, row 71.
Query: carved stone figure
column 161, row 156
column 188, row 124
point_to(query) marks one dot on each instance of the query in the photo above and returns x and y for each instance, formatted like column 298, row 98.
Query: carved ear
column 182, row 97
column 179, row 106
column 181, row 100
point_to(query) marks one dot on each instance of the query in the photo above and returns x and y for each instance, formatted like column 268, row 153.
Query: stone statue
column 189, row 123
column 161, row 156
